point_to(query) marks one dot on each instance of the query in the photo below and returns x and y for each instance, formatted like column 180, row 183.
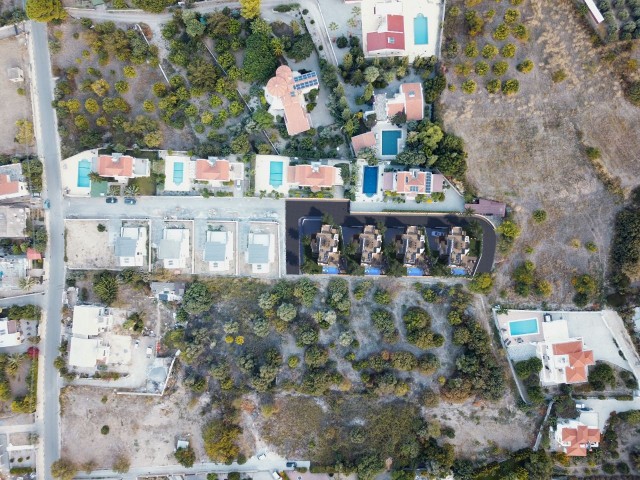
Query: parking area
column 16, row 103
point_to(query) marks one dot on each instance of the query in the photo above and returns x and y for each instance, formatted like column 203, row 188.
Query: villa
column 218, row 250
column 173, row 249
column 461, row 261
column 10, row 334
column 285, row 95
column 90, row 321
column 216, row 172
column 414, row 251
column 167, row 292
column 260, row 251
column 577, row 436
column 413, row 182
column 398, row 28
column 12, row 183
column 362, row 141
column 131, row 246
column 326, row 245
column 409, row 101
column 121, row 167
column 274, row 173
column 13, row 222
column 370, row 250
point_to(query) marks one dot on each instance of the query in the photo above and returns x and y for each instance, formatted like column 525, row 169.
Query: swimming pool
column 523, row 327
column 84, row 169
column 370, row 181
column 275, row 174
column 458, row 271
column 178, row 173
column 414, row 272
column 330, row 270
column 420, row 30
column 372, row 271
column 390, row 141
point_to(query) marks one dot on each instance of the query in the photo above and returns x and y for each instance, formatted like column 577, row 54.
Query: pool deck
column 69, row 169
column 169, row 183
column 263, row 174
column 386, row 126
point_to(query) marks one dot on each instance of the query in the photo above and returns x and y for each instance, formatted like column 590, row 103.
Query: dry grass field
column 528, row 149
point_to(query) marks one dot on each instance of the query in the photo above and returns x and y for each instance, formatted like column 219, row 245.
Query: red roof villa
column 413, row 182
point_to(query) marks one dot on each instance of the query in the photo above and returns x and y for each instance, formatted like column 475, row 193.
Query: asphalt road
column 49, row 151
column 339, row 211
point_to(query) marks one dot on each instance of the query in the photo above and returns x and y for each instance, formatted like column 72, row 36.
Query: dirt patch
column 528, row 149
column 144, row 429
column 86, row 246
column 15, row 106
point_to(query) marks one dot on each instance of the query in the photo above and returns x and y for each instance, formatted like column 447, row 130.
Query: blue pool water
column 372, row 271
column 390, row 141
column 178, row 173
column 523, row 327
column 420, row 30
column 275, row 174
column 370, row 181
column 414, row 272
column 330, row 270
column 84, row 169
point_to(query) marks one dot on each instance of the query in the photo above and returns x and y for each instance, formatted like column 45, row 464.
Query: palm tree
column 468, row 212
column 27, row 283
column 95, row 177
column 132, row 190
column 13, row 363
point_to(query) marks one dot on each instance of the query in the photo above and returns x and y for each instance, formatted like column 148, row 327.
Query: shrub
column 539, row 216
column 501, row 32
column 481, row 283
column 494, row 86
column 520, row 32
column 482, row 68
column 512, row 15
column 342, row 42
column 122, row 86
column 489, row 51
column 469, row 86
column 129, row 71
column 474, row 22
column 525, row 66
column 500, row 68
column 185, row 456
column 632, row 93
column 591, row 247
column 463, row 69
column 510, row 87
column 104, row 430
column 508, row 50
column 559, row 76
column 471, row 50
column 592, row 153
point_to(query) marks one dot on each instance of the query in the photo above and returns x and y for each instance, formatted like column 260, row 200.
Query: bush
column 482, row 283
column 104, row 430
column 632, row 93
column 525, row 66
column 469, row 86
column 342, row 42
column 471, row 50
column 500, row 68
column 559, row 76
column 185, row 456
column 592, row 153
column 482, row 68
column 508, row 50
column 489, row 51
column 539, row 216
column 520, row 32
column 494, row 86
column 512, row 15
column 510, row 87
column 501, row 32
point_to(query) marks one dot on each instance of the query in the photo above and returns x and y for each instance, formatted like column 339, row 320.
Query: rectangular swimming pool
column 372, row 271
column 370, row 181
column 275, row 174
column 178, row 173
column 420, row 30
column 84, row 169
column 414, row 272
column 523, row 327
column 390, row 141
column 330, row 270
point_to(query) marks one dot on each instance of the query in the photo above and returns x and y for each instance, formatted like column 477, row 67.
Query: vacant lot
column 86, row 246
column 15, row 106
column 143, row 429
column 528, row 149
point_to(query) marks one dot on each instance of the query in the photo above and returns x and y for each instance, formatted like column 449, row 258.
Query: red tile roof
column 578, row 438
column 33, row 254
column 488, row 207
column 413, row 100
column 109, row 166
column 295, row 115
column 7, row 187
column 579, row 360
column 392, row 38
column 406, row 180
column 395, row 23
column 394, row 108
column 212, row 170
column 323, row 176
column 365, row 140
column 567, row 347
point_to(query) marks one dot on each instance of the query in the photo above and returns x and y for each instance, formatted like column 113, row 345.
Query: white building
column 218, row 250
column 167, row 292
column 260, row 252
column 90, row 321
column 173, row 249
column 577, row 436
column 10, row 335
column 131, row 246
column 87, row 352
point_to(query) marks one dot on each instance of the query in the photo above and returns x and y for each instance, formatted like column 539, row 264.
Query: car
column 149, row 352
column 112, row 200
column 239, row 184
column 137, row 343
column 47, row 204
column 130, row 201
column 262, row 456
column 292, row 464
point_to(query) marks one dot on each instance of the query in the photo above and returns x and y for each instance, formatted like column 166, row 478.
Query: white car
column 262, row 456
column 149, row 352
column 137, row 344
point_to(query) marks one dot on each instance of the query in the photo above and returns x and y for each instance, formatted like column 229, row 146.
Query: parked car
column 149, row 352
column 47, row 204
column 137, row 343
column 112, row 200
column 262, row 456
column 239, row 184
column 276, row 475
column 292, row 464
column 130, row 201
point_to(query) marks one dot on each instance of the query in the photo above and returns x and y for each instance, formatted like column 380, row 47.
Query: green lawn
column 146, row 185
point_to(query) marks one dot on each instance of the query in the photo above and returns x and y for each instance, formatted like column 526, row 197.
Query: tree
column 249, row 9
column 154, row 6
column 24, row 132
column 539, row 216
column 259, row 62
column 371, row 74
column 481, row 283
column 509, row 229
column 525, row 66
column 220, row 439
column 64, row 469
column 526, row 368
column 510, row 87
column 45, row 10
column 27, row 283
column 100, row 87
column 105, row 286
column 92, row 106
column 287, row 312
column 197, row 299
column 301, row 48
column 186, row 456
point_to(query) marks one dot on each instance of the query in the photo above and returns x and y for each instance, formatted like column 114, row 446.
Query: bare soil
column 529, row 149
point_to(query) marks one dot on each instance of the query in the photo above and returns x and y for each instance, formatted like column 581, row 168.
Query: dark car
column 292, row 464
column 130, row 201
column 112, row 200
